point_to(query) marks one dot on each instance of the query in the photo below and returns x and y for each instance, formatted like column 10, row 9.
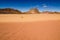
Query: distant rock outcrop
column 9, row 11
column 33, row 11
column 49, row 12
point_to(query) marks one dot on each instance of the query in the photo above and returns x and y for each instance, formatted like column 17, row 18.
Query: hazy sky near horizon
column 25, row 5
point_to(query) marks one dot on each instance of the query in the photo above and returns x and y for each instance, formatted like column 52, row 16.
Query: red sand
column 43, row 30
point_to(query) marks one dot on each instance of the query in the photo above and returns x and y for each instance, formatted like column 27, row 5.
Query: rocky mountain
column 9, row 11
column 33, row 11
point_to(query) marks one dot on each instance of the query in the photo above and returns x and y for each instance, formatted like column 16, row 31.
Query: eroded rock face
column 9, row 11
column 33, row 11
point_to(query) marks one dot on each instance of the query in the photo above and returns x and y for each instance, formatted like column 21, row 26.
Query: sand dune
column 30, row 27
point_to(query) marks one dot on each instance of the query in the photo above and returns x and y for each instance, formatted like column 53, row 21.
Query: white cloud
column 44, row 5
column 36, row 6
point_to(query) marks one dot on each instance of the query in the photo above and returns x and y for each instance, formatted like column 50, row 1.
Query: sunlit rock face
column 9, row 11
column 33, row 11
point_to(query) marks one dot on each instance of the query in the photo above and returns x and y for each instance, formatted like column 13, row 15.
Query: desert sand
column 30, row 27
column 28, row 17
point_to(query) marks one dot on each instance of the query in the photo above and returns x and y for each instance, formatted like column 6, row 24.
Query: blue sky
column 25, row 5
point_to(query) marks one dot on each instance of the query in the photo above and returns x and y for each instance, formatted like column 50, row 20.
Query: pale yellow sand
column 28, row 17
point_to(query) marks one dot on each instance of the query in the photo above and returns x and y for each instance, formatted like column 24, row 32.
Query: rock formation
column 9, row 11
column 33, row 11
